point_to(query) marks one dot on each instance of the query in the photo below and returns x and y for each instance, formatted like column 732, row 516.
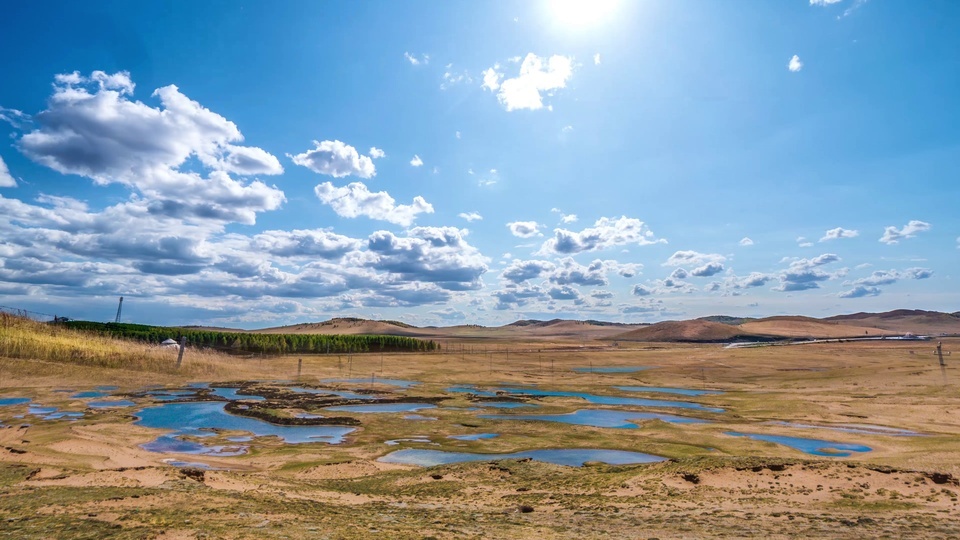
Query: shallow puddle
column 231, row 394
column 863, row 429
column 573, row 457
column 7, row 401
column 612, row 400
column 383, row 407
column 504, row 404
column 598, row 418
column 375, row 380
column 816, row 447
column 474, row 436
column 111, row 404
column 198, row 418
column 90, row 394
column 668, row 390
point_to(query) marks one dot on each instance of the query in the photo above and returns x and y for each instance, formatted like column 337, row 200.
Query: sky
column 251, row 163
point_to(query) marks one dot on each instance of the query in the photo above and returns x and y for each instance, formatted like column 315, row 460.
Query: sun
column 581, row 13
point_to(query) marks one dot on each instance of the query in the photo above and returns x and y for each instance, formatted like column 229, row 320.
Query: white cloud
column 491, row 78
column 839, row 232
column 336, row 159
column 804, row 274
column 679, row 273
column 356, row 200
column 416, row 161
column 489, row 179
column 640, row 290
column 415, row 60
column 470, row 216
column 605, row 233
column 458, row 134
column 693, row 258
column 91, row 128
column 803, row 242
column 5, row 179
column 746, row 241
column 824, row 2
column 451, row 78
column 891, row 235
column 524, row 229
column 596, row 59
column 795, row 64
column 707, row 270
column 537, row 76
column 376, row 153
column 859, row 292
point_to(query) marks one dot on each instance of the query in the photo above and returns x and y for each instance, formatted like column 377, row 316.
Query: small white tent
column 170, row 343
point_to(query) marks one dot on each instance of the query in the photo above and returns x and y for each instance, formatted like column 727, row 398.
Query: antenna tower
column 119, row 308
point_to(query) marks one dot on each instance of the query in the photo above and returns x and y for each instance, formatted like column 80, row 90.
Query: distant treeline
column 258, row 343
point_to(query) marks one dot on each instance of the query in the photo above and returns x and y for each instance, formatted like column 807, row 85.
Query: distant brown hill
column 701, row 330
column 905, row 320
column 697, row 330
column 718, row 328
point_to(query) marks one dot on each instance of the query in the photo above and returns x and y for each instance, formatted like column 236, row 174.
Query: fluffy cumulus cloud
column 893, row 235
column 169, row 243
column 870, row 285
column 337, row 159
column 416, row 161
column 746, row 241
column 707, row 270
column 805, row 274
column 524, row 229
column 6, row 180
column 838, row 233
column 92, row 128
column 470, row 216
column 439, row 255
column 693, row 258
column 795, row 64
column 859, row 292
column 538, row 77
column 355, row 199
column 605, row 233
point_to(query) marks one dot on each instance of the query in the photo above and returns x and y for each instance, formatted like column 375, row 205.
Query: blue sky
column 252, row 164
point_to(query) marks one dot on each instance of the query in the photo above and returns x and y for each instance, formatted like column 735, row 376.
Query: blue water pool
column 375, row 380
column 4, row 402
column 505, row 404
column 111, row 404
column 474, row 436
column 90, row 394
column 172, row 445
column 572, row 457
column 231, row 394
column 324, row 391
column 598, row 418
column 612, row 400
column 668, row 390
column 383, row 407
column 815, row 447
column 470, row 389
column 863, row 429
column 107, row 388
column 197, row 418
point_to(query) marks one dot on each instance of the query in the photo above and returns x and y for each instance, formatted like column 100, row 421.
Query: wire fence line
column 30, row 314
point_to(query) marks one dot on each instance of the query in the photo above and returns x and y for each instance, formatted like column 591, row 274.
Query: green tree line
column 258, row 343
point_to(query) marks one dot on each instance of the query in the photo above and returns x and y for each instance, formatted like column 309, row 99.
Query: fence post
column 183, row 345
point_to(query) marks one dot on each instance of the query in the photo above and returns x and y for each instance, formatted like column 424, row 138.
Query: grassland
column 90, row 479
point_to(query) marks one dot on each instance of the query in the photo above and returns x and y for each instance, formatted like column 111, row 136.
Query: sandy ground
column 90, row 478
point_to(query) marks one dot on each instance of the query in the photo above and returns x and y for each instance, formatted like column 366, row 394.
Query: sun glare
column 581, row 13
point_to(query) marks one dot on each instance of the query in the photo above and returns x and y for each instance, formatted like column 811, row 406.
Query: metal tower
column 119, row 308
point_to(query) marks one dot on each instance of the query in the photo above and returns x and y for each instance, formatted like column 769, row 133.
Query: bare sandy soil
column 90, row 478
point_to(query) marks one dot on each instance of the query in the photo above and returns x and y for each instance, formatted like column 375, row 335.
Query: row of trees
column 242, row 342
